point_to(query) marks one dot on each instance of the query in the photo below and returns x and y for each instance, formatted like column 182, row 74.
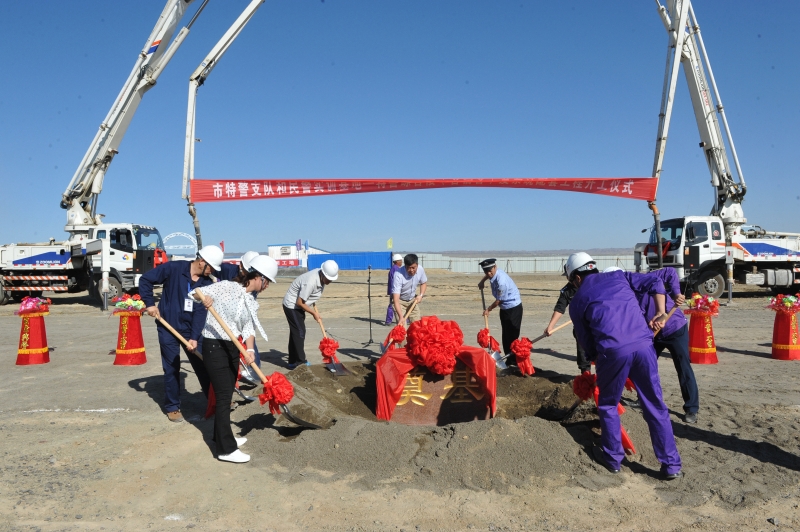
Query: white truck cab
column 695, row 247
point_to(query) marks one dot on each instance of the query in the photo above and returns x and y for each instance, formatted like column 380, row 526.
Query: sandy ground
column 86, row 446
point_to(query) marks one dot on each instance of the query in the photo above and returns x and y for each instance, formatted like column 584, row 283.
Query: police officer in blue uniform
column 506, row 295
column 184, row 314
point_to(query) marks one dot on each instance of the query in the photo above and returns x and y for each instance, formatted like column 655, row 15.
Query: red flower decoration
column 126, row 297
column 486, row 340
column 398, row 334
column 328, row 346
column 629, row 385
column 137, row 297
column 583, row 385
column 277, row 391
column 521, row 347
column 434, row 343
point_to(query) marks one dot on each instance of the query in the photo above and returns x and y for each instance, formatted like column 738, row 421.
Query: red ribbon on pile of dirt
column 204, row 190
column 431, row 340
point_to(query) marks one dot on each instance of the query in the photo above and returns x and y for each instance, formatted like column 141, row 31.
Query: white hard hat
column 246, row 258
column 265, row 265
column 397, row 257
column 579, row 262
column 330, row 270
column 212, row 255
column 612, row 269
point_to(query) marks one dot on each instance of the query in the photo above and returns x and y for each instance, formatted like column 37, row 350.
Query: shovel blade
column 296, row 420
column 247, row 398
column 499, row 360
column 338, row 369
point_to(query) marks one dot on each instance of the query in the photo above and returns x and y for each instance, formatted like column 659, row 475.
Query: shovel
column 198, row 295
column 185, row 342
column 337, row 368
column 498, row 358
column 386, row 343
column 503, row 359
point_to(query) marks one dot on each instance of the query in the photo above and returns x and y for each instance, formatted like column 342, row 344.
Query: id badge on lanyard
column 188, row 303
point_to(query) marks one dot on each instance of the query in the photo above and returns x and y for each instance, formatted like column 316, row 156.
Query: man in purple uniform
column 612, row 329
column 674, row 337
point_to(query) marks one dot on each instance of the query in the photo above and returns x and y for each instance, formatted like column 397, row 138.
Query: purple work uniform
column 611, row 328
column 674, row 337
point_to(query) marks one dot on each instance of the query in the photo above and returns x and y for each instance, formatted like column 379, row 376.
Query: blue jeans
column 678, row 346
column 171, row 363
column 642, row 368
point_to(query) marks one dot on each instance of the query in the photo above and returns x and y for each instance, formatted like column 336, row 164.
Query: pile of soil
column 538, row 434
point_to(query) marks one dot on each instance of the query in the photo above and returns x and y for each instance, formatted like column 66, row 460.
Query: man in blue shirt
column 506, row 295
column 612, row 329
column 404, row 289
column 184, row 314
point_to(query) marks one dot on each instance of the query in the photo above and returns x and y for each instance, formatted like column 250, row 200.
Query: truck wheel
column 711, row 284
column 114, row 290
column 3, row 296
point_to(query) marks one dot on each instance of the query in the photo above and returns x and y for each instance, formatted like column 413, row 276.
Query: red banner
column 202, row 190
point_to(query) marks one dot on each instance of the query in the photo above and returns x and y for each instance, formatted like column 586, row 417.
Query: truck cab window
column 122, row 240
column 716, row 231
column 696, row 233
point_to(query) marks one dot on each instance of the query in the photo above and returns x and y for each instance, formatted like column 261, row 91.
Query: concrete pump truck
column 710, row 251
column 104, row 258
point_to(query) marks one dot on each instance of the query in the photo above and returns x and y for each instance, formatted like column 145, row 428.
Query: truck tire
column 114, row 290
column 3, row 296
column 711, row 284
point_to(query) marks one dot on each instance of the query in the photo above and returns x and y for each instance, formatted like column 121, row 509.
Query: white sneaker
column 237, row 457
column 240, row 441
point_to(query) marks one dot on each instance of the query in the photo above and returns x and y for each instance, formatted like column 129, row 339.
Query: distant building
column 289, row 256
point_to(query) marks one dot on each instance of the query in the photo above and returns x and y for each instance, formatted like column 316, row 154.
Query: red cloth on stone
column 395, row 364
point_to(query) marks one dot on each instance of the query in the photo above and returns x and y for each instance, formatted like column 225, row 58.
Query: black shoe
column 690, row 417
column 600, row 458
column 672, row 476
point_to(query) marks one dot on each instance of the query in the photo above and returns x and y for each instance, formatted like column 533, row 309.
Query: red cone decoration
column 521, row 347
column 702, row 348
column 130, row 344
column 33, row 347
column 784, row 337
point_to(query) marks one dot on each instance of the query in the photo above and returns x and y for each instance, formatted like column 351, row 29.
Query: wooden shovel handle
column 408, row 312
column 669, row 315
column 324, row 334
column 198, row 295
column 551, row 332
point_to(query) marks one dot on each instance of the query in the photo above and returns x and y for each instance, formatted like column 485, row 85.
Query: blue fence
column 381, row 260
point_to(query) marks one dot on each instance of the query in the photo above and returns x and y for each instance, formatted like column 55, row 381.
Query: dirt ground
column 86, row 445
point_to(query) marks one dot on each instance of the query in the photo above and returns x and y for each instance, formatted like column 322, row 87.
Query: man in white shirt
column 303, row 293
column 404, row 288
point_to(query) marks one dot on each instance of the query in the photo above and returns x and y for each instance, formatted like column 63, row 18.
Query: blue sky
column 358, row 89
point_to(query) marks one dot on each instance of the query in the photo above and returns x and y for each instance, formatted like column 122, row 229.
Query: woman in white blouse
column 234, row 305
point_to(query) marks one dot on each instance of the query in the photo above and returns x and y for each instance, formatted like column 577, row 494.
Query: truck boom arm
column 686, row 46
column 80, row 197
column 197, row 78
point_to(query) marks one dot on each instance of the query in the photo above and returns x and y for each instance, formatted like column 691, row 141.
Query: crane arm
column 197, row 78
column 80, row 196
column 686, row 46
